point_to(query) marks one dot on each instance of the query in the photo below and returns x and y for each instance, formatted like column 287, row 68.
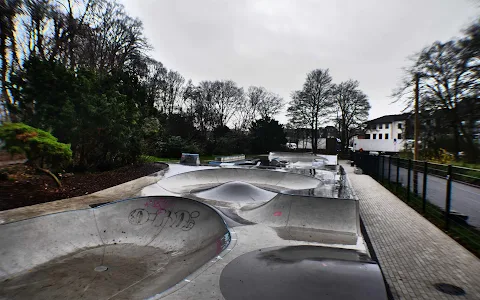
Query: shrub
column 267, row 135
column 40, row 147
column 174, row 146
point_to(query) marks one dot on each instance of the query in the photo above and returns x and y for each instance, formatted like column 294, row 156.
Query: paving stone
column 413, row 253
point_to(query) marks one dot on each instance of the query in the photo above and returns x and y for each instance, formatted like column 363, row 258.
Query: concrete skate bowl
column 131, row 249
column 196, row 181
column 312, row 219
column 296, row 206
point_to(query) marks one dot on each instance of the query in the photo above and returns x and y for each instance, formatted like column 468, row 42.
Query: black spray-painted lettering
column 163, row 217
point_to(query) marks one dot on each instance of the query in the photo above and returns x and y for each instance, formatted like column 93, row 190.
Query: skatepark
column 202, row 233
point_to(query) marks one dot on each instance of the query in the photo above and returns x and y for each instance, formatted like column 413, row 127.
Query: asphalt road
column 465, row 198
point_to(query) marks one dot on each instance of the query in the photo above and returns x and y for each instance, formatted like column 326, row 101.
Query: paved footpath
column 413, row 253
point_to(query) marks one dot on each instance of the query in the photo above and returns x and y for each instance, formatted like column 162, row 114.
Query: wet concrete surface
column 129, row 270
column 302, row 272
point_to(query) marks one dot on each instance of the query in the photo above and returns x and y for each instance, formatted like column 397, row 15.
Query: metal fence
column 447, row 195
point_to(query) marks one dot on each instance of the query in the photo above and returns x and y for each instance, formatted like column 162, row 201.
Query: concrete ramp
column 304, row 160
column 238, row 192
column 304, row 218
column 131, row 249
column 190, row 182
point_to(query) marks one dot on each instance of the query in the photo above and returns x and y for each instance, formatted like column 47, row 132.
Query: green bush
column 40, row 147
column 174, row 146
column 267, row 135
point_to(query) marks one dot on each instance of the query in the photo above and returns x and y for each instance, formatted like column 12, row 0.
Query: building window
column 374, row 136
column 379, row 136
column 386, row 136
column 399, row 125
column 367, row 136
column 399, row 136
column 387, row 126
column 380, row 126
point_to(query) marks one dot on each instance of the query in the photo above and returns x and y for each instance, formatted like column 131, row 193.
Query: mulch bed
column 22, row 185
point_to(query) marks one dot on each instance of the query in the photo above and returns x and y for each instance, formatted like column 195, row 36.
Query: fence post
column 424, row 194
column 383, row 168
column 389, row 169
column 448, row 197
column 379, row 174
column 398, row 173
column 409, row 178
column 370, row 165
column 415, row 179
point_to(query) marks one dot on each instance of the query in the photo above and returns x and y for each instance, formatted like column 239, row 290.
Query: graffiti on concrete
column 182, row 219
column 158, row 204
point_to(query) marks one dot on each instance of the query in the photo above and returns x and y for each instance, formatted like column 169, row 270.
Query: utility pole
column 416, row 133
column 417, row 119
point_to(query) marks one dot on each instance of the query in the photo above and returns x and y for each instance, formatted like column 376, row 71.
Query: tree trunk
column 315, row 133
column 59, row 184
column 314, row 146
column 3, row 52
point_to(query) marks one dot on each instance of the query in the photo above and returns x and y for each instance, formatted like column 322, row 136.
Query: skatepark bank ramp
column 189, row 182
column 130, row 249
column 307, row 218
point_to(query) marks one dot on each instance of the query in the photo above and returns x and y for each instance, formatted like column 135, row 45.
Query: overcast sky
column 274, row 43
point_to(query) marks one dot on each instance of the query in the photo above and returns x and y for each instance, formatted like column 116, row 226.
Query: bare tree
column 352, row 106
column 313, row 102
column 258, row 103
column 227, row 98
column 449, row 79
column 170, row 91
column 112, row 40
column 271, row 105
column 200, row 105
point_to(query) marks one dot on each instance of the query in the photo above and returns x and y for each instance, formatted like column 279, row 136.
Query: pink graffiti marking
column 161, row 204
column 277, row 213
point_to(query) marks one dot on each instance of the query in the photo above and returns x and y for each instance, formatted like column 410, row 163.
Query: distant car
column 292, row 146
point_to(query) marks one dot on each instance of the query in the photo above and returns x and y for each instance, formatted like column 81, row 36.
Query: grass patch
column 466, row 165
column 466, row 235
column 206, row 158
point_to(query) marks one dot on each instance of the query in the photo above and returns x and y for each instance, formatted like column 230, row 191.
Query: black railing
column 447, row 195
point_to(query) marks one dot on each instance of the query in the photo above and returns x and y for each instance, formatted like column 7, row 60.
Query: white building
column 384, row 134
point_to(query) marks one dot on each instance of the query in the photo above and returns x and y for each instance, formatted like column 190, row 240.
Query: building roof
column 389, row 119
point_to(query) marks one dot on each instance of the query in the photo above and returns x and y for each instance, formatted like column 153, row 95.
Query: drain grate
column 101, row 269
column 449, row 289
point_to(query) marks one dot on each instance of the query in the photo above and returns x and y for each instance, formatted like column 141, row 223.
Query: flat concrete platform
column 179, row 242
